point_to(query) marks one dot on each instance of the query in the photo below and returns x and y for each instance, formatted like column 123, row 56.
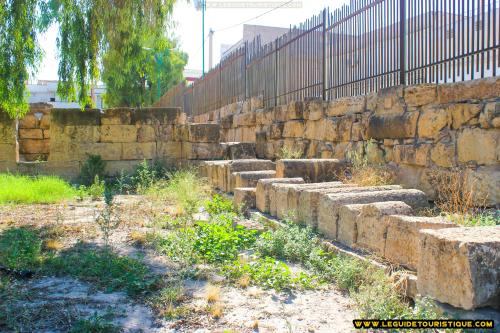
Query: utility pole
column 210, row 49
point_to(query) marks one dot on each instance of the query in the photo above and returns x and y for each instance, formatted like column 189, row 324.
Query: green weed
column 476, row 220
column 27, row 190
column 94, row 324
column 96, row 189
column 219, row 205
column 289, row 153
column 93, row 167
column 20, row 249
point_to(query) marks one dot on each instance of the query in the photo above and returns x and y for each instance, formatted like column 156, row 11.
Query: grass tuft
column 43, row 189
column 212, row 293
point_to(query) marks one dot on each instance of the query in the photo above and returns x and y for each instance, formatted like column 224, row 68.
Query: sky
column 188, row 29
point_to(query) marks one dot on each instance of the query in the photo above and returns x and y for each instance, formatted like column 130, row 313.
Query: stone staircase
column 455, row 265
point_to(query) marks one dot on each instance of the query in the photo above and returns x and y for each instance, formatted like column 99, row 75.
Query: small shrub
column 218, row 205
column 20, row 249
column 96, row 189
column 289, row 153
column 216, row 310
column 177, row 245
column 478, row 220
column 108, row 219
column 145, row 175
column 93, row 167
column 168, row 301
column 212, row 293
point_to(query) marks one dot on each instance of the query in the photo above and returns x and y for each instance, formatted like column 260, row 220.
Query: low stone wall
column 416, row 129
column 34, row 133
column 8, row 150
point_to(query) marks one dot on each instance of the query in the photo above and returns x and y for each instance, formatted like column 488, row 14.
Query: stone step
column 385, row 229
column 311, row 170
column 330, row 204
column 244, row 165
column 461, row 266
column 244, row 198
column 250, row 178
column 264, row 188
column 307, row 209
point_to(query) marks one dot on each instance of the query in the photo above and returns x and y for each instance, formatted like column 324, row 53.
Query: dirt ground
column 54, row 302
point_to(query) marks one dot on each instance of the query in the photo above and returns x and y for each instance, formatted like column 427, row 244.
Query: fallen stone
column 461, row 266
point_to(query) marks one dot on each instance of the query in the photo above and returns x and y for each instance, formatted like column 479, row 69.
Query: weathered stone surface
column 307, row 210
column 244, row 198
column 293, row 129
column 401, row 236
column 469, row 90
column 314, row 130
column 116, row 116
column 158, row 116
column 478, row 145
column 485, row 184
column 345, row 105
column 420, row 95
column 28, row 121
column 245, row 165
column 203, row 132
column 443, row 153
column 32, row 133
column 118, row 133
column 490, row 116
column 7, row 152
column 46, row 134
column 330, row 203
column 311, row 170
column 244, row 119
column 264, row 116
column 83, row 134
column 202, row 151
column 388, row 101
column 31, row 146
column 411, row 154
column 240, row 150
column 432, row 121
column 263, row 199
column 463, row 113
column 399, row 126
column 250, row 178
column 75, row 117
column 108, row 151
column 295, row 110
column 461, row 266
column 139, row 151
column 169, row 150
column 146, row 133
column 314, row 109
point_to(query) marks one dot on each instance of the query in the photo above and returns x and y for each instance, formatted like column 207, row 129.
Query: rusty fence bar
column 354, row 50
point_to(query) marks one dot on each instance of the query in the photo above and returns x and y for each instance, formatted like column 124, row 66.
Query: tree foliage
column 121, row 42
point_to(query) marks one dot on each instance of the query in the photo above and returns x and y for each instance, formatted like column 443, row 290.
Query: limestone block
column 478, row 145
column 33, row 146
column 45, row 121
column 7, row 131
column 226, row 122
column 402, row 244
column 245, row 165
column 250, row 178
column 411, row 154
column 331, row 129
column 139, row 151
column 244, row 198
column 263, row 200
column 239, row 150
column 28, row 121
column 165, row 133
column 248, row 134
column 432, row 121
column 46, row 134
column 346, row 105
column 169, row 150
column 490, row 116
column 368, row 230
column 202, row 151
column 295, row 110
column 463, row 113
column 390, row 101
column 116, row 116
column 158, row 116
column 264, row 117
column 108, row 151
column 330, row 203
column 469, row 90
column 32, row 133
column 443, row 153
column 244, row 119
column 311, row 170
column 256, row 102
column 146, row 133
column 203, row 132
column 82, row 134
column 399, row 126
column 75, row 117
column 281, row 113
column 7, row 152
column 180, row 133
column 309, row 199
column 314, row 109
column 421, row 94
column 276, row 131
column 116, row 167
column 485, row 184
column 461, row 266
column 293, row 129
column 118, row 133
column 314, row 130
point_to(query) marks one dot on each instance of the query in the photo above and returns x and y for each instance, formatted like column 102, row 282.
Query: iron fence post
column 276, row 73
column 402, row 42
column 323, row 76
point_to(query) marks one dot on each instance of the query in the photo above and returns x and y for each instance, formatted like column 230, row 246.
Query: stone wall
column 414, row 129
column 8, row 150
column 34, row 133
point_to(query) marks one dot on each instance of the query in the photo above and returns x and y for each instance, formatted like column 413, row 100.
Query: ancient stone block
column 33, row 146
column 264, row 116
column 411, row 154
column 485, row 184
column 244, row 198
column 331, row 129
column 32, row 133
column 311, row 170
column 478, row 145
column 202, row 151
column 276, row 131
column 490, row 115
column 469, row 90
column 314, row 109
column 180, row 133
column 245, row 165
column 346, row 105
column 295, row 110
column 247, row 134
column 402, row 244
column 118, row 133
column 169, row 150
column 203, row 132
column 263, row 200
column 250, row 178
column 7, row 152
column 293, row 129
column 46, row 134
column 421, row 94
column 146, row 133
column 432, row 121
column 443, row 153
column 393, row 126
column 82, row 133
column 244, row 119
column 463, row 113
column 460, row 266
column 139, row 151
column 330, row 203
column 158, row 116
column 28, row 121
column 75, row 117
column 314, row 130
column 226, row 122
column 389, row 101
column 117, row 116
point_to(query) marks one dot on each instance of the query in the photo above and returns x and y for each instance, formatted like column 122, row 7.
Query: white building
column 45, row 91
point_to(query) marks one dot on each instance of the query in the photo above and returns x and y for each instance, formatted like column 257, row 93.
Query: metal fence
column 357, row 49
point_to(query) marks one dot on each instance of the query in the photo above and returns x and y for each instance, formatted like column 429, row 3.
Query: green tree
column 97, row 39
